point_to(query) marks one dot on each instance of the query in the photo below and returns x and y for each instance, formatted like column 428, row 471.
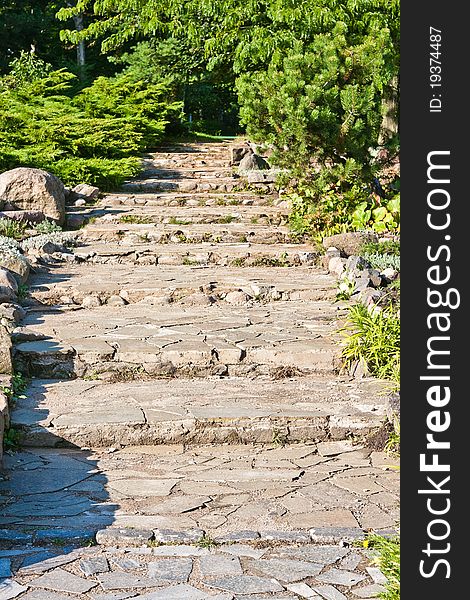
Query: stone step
column 227, row 254
column 201, row 199
column 274, row 497
column 153, row 339
column 220, row 185
column 163, row 170
column 193, row 233
column 176, row 215
column 128, row 284
column 221, row 411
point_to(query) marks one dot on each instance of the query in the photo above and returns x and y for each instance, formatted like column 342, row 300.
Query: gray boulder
column 253, row 162
column 88, row 192
column 238, row 153
column 33, row 190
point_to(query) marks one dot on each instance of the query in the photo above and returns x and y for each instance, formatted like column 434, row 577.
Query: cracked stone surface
column 186, row 434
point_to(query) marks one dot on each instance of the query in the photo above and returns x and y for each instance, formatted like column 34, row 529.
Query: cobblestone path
column 186, row 433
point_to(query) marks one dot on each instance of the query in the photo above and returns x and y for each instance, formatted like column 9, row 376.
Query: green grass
column 389, row 248
column 176, row 221
column 206, row 542
column 227, row 219
column 135, row 219
column 47, row 226
column 12, row 439
column 23, row 291
column 388, row 561
column 12, row 229
column 373, row 336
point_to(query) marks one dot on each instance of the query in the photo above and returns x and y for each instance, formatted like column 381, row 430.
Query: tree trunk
column 81, row 53
column 389, row 127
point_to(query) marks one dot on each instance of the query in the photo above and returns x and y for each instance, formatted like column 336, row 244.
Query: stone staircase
column 185, row 379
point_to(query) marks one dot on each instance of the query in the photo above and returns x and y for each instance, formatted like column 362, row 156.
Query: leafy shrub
column 382, row 261
column 373, row 336
column 388, row 247
column 61, row 238
column 377, row 216
column 95, row 137
column 47, row 226
column 12, row 229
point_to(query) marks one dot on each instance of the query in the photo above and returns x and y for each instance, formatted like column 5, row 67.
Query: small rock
column 237, row 298
column 375, row 277
column 389, row 274
column 341, row 577
column 91, row 302
column 369, row 296
column 361, row 282
column 7, row 280
column 356, row 264
column 80, row 202
column 116, row 301
column 302, row 589
column 198, row 299
column 239, row 152
column 86, row 191
column 336, row 266
column 332, row 251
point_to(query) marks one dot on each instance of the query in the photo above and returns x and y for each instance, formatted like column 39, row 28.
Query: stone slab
column 59, row 580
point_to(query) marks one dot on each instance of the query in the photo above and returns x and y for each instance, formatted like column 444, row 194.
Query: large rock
column 238, row 153
column 33, row 190
column 16, row 263
column 89, row 192
column 350, row 243
column 253, row 162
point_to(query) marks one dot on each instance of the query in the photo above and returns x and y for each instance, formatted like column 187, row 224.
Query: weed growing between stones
column 135, row 219
column 23, row 291
column 374, row 337
column 387, row 558
column 12, row 439
column 393, row 443
column 206, row 542
column 47, row 226
column 176, row 221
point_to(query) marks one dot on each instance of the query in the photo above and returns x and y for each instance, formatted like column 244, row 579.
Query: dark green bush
column 95, row 137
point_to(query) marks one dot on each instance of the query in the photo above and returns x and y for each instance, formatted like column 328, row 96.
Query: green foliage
column 135, row 219
column 373, row 335
column 12, row 228
column 95, row 137
column 12, row 439
column 346, row 287
column 382, row 261
column 389, row 247
column 47, row 226
column 392, row 445
column 323, row 204
column 377, row 216
column 23, row 291
column 387, row 558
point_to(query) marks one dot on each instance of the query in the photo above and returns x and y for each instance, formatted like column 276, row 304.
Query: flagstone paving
column 187, row 433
